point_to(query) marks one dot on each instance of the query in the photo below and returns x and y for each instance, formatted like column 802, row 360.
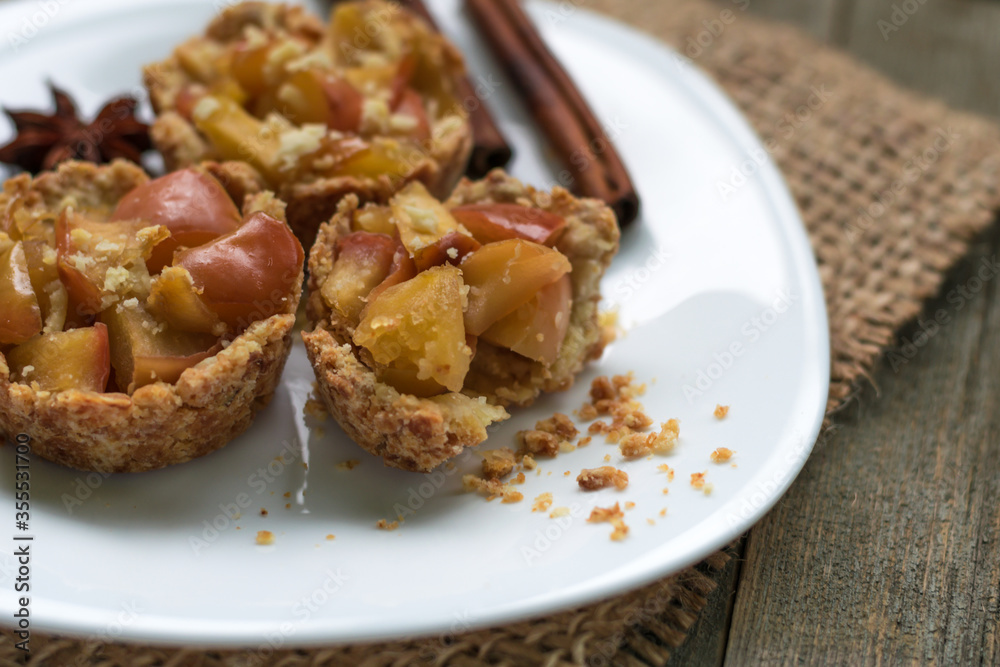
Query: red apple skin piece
column 437, row 254
column 140, row 356
column 490, row 223
column 20, row 314
column 403, row 269
column 411, row 104
column 345, row 104
column 75, row 359
column 547, row 314
column 248, row 275
column 192, row 205
column 401, row 81
column 363, row 261
column 504, row 275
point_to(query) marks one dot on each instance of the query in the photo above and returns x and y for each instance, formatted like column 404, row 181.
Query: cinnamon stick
column 490, row 150
column 557, row 106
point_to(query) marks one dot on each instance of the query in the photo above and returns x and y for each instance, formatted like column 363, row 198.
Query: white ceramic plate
column 718, row 292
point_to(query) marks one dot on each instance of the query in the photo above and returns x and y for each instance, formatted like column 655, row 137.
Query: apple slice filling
column 421, row 291
column 139, row 294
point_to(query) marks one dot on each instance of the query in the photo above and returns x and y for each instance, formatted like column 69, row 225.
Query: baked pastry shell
column 418, row 434
column 159, row 424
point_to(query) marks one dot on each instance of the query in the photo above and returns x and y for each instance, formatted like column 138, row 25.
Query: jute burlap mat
column 892, row 188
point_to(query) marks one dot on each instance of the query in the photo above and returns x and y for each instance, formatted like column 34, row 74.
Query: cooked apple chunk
column 495, row 319
column 419, row 323
column 20, row 315
column 142, row 322
column 75, row 359
column 316, row 110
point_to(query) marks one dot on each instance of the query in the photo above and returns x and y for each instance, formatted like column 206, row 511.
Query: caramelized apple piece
column 403, row 269
column 20, row 315
column 249, row 274
column 191, row 204
column 536, row 329
column 504, row 275
column 50, row 292
column 144, row 351
column 199, row 59
column 236, row 135
column 362, row 262
column 175, row 300
column 103, row 260
column 449, row 249
column 75, row 359
column 375, row 219
column 418, row 324
column 412, row 106
column 311, row 96
column 497, row 222
column 422, row 220
column 380, row 157
column 247, row 67
column 406, row 381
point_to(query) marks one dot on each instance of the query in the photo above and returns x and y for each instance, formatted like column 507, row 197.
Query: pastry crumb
column 542, row 502
column 382, row 524
column 331, row 536
column 314, row 408
column 263, row 511
column 612, row 515
column 492, row 488
column 592, row 479
column 265, row 537
column 721, row 455
column 663, row 467
column 651, row 522
column 558, row 512
column 498, row 463
column 349, row 464
column 584, row 441
column 629, row 505
column 721, row 411
column 698, row 480
column 634, row 445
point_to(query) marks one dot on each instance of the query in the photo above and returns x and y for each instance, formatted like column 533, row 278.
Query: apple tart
column 429, row 319
column 363, row 105
column 142, row 322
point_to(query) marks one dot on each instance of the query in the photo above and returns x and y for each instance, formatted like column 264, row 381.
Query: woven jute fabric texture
column 892, row 188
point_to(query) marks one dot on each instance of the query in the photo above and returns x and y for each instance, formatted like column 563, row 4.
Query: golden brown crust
column 311, row 198
column 159, row 424
column 408, row 432
column 355, row 397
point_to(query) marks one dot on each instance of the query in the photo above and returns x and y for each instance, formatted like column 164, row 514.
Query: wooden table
column 887, row 547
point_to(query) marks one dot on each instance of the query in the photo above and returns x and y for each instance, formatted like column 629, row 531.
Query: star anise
column 43, row 141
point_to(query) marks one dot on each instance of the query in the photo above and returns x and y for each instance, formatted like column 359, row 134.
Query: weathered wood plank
column 946, row 49
column 819, row 17
column 887, row 547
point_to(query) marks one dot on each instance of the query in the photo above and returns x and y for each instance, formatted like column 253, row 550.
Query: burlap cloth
column 892, row 188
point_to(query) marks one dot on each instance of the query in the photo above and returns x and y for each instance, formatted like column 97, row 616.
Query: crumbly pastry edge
column 159, row 424
column 419, row 434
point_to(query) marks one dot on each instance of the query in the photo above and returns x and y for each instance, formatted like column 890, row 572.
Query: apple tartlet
column 363, row 105
column 429, row 319
column 142, row 322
